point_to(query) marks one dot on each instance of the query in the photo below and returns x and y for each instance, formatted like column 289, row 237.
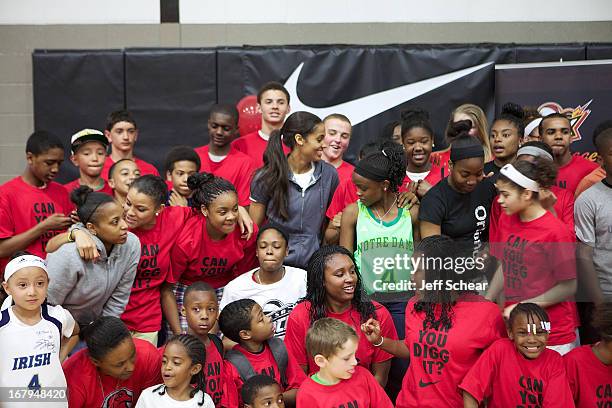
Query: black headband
column 466, row 152
column 366, row 169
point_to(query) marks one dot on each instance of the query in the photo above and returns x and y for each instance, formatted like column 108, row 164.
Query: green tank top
column 384, row 251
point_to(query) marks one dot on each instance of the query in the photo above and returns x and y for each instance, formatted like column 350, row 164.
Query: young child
column 261, row 391
column 121, row 175
column 122, row 133
column 556, row 131
column 340, row 382
column 519, row 371
column 201, row 309
column 220, row 158
column 33, row 208
column 589, row 368
column 257, row 352
column 88, row 154
column 182, row 366
column 181, row 162
column 338, row 132
column 32, row 332
column 273, row 102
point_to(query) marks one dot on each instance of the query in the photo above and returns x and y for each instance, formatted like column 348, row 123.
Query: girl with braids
column 294, row 191
column 182, row 365
column 446, row 329
column 535, row 249
column 505, row 137
column 113, row 370
column 519, row 371
column 91, row 289
column 334, row 289
column 418, row 141
column 209, row 247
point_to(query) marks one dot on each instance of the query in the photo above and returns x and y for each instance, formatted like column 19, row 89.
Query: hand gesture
column 56, row 221
column 371, row 329
column 177, row 200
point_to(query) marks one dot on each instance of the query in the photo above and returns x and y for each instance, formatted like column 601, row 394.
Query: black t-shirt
column 461, row 216
column 492, row 167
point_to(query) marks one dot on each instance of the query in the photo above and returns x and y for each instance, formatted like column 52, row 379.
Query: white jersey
column 276, row 299
column 30, row 356
column 150, row 398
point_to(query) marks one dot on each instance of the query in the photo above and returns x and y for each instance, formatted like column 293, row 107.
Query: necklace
column 102, row 386
column 380, row 219
column 259, row 280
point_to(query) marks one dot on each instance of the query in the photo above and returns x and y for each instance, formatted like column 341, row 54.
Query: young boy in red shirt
column 556, row 131
column 221, row 158
column 122, row 133
column 261, row 391
column 589, row 368
column 33, row 208
column 340, row 382
column 244, row 322
column 181, row 162
column 273, row 102
column 519, row 371
column 88, row 154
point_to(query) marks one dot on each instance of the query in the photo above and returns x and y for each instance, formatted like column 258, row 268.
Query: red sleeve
column 479, row 380
column 378, row 396
column 295, row 374
column 232, row 384
column 305, row 396
column 182, row 254
column 295, row 335
column 558, row 394
column 153, row 362
column 243, row 183
column 387, row 329
column 562, row 253
column 494, row 224
column 238, row 144
column 77, row 392
column 7, row 224
column 567, row 212
column 249, row 259
column 573, row 378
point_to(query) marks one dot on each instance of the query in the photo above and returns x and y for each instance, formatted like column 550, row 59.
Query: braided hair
column 390, row 160
column 531, row 310
column 197, row 353
column 206, row 187
column 315, row 290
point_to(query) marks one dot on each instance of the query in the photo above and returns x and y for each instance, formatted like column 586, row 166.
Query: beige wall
column 18, row 42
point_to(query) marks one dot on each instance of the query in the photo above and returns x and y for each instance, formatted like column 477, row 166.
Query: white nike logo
column 361, row 109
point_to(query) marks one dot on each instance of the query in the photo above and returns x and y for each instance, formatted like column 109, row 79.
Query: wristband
column 71, row 235
column 382, row 339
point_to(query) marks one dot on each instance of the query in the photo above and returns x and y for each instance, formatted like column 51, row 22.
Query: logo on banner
column 361, row 109
column 576, row 115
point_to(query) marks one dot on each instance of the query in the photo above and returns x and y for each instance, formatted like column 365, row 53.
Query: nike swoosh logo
column 361, row 109
column 427, row 384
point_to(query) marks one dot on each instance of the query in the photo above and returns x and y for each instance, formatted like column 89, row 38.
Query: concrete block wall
column 18, row 41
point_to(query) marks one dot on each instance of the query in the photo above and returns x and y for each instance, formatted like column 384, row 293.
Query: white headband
column 519, row 178
column 23, row 262
column 531, row 126
column 534, row 151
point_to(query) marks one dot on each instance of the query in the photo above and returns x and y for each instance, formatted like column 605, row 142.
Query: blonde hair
column 479, row 121
column 327, row 336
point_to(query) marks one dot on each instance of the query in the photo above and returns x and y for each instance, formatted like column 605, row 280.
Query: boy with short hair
column 556, row 131
column 122, row 133
column 88, row 148
column 339, row 381
column 261, row 391
column 338, row 132
column 221, row 158
column 181, row 162
column 33, row 208
column 273, row 102
column 257, row 351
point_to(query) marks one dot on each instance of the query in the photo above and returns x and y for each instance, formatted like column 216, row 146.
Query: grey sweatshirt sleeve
column 130, row 257
column 63, row 270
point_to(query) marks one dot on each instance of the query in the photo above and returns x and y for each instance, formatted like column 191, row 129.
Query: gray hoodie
column 89, row 290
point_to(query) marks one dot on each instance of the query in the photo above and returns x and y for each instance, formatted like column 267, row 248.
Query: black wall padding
column 75, row 90
column 599, row 51
column 170, row 93
column 550, row 53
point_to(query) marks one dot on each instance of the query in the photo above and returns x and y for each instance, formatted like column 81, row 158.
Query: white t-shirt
column 30, row 354
column 303, row 180
column 216, row 158
column 263, row 135
column 151, row 399
column 276, row 299
column 417, row 176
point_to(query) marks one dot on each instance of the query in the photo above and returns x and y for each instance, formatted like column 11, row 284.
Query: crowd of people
column 264, row 270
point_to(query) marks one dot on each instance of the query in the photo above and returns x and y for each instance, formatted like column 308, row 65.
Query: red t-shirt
column 439, row 359
column 196, row 257
column 77, row 183
column 441, row 159
column 507, row 379
column 23, row 206
column 345, row 194
column 143, row 166
column 237, row 168
column 88, row 388
column 345, row 171
column 361, row 390
column 573, row 172
column 143, row 312
column 535, row 256
column 298, row 324
column 254, row 146
column 589, row 379
column 436, row 173
column 262, row 363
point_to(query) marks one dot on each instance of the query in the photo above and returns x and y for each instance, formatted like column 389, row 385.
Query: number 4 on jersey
column 34, row 384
